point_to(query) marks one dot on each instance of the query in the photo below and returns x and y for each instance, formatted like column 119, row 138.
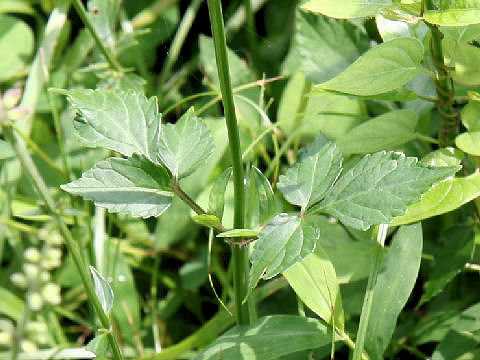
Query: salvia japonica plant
column 324, row 203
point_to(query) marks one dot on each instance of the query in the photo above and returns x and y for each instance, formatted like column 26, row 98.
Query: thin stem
column 426, row 138
column 240, row 255
column 82, row 13
column 187, row 199
column 153, row 295
column 368, row 300
column 73, row 248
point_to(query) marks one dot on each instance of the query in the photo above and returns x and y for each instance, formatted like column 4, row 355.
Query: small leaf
column 270, row 337
column 384, row 68
column 239, row 233
column 470, row 116
column 314, row 281
column 216, row 201
column 346, row 9
column 103, row 290
column 261, row 200
column 185, row 145
column 448, row 156
column 443, row 197
column 98, row 345
column 393, row 287
column 379, row 187
column 469, row 142
column 308, row 180
column 284, row 241
column 208, row 220
column 459, row 250
column 134, row 186
column 122, row 121
column 386, row 131
column 463, row 58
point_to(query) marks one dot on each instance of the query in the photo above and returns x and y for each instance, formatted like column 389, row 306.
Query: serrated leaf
column 261, row 205
column 208, row 220
column 386, row 131
column 284, row 241
column 379, row 187
column 268, row 338
column 459, row 250
column 122, row 121
column 443, row 197
column 347, row 9
column 308, row 180
column 236, row 233
column 216, row 200
column 103, row 290
column 315, row 282
column 185, row 145
column 384, row 68
column 393, row 287
column 134, row 186
column 469, row 142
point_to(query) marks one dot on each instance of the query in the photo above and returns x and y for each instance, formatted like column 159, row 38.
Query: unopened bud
column 12, row 97
column 44, row 276
column 19, row 279
column 31, row 271
column 51, row 294
column 35, row 301
column 28, row 346
column 17, row 113
column 32, row 254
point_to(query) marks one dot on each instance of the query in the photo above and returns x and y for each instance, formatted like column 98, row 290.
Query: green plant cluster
column 297, row 180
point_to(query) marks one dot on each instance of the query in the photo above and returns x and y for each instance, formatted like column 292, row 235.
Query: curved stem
column 239, row 254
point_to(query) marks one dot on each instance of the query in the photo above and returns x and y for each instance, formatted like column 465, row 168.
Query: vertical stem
column 443, row 85
column 39, row 184
column 368, row 300
column 153, row 294
column 239, row 254
column 251, row 33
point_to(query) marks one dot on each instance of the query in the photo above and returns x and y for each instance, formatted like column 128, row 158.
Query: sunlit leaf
column 347, row 9
column 103, row 290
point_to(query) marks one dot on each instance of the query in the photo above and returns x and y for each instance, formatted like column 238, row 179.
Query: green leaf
column 236, row 233
column 261, row 204
column 386, row 131
column 6, row 151
column 347, row 9
column 134, row 186
column 268, row 338
column 10, row 304
column 448, row 156
column 122, row 121
column 459, row 250
column 464, row 59
column 103, row 290
column 384, row 68
column 284, row 241
column 460, row 15
column 393, row 287
column 308, row 180
column 185, row 145
column 317, row 34
column 379, row 187
column 469, row 142
column 98, row 345
column 17, row 43
column 208, row 220
column 462, row 336
column 216, row 200
column 315, row 282
column 104, row 19
column 470, row 116
column 444, row 197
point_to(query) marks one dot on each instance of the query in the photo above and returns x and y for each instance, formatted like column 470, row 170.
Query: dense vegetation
column 288, row 180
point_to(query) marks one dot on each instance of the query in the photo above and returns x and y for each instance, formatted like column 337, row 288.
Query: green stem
column 187, row 199
column 73, row 248
column 251, row 33
column 19, row 332
column 82, row 13
column 368, row 300
column 153, row 294
column 239, row 254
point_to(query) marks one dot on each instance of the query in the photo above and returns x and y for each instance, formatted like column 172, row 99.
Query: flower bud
column 28, row 346
column 51, row 294
column 44, row 276
column 52, row 258
column 37, row 331
column 32, row 255
column 12, row 97
column 31, row 271
column 5, row 338
column 35, row 301
column 54, row 239
column 19, row 280
column 6, row 325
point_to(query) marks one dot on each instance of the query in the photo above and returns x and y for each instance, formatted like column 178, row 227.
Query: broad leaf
column 103, row 290
column 459, row 250
column 122, row 121
column 315, row 282
column 104, row 19
column 284, row 241
column 444, row 197
column 134, row 186
column 347, row 9
column 393, row 287
column 464, row 59
column 268, row 338
column 470, row 116
column 383, row 132
column 379, row 187
column 447, row 156
column 384, row 68
column 185, row 145
column 308, row 180
column 461, row 15
column 469, row 142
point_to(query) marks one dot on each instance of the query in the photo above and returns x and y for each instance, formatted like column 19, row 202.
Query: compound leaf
column 308, row 180
column 134, row 186
column 185, row 145
column 122, row 121
column 379, row 187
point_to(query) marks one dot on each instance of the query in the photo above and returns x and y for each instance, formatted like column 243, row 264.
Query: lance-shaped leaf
column 270, row 337
column 185, row 145
column 346, row 9
column 284, row 241
column 308, row 180
column 122, row 121
column 261, row 205
column 103, row 290
column 384, row 68
column 379, row 187
column 216, row 200
column 134, row 186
